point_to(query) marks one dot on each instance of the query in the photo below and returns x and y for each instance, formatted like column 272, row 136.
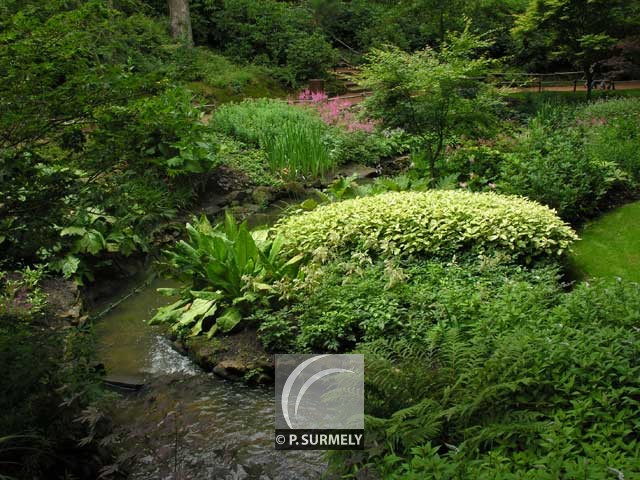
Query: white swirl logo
column 286, row 391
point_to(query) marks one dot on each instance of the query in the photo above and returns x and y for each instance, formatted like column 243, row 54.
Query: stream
column 186, row 423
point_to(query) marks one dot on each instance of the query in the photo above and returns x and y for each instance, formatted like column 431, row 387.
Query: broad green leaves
column 227, row 271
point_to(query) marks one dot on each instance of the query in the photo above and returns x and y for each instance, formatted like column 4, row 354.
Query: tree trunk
column 588, row 73
column 180, row 21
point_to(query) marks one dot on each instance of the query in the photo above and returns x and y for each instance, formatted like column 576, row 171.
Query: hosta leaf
column 229, row 319
column 170, row 313
column 212, row 331
column 230, row 226
column 199, row 308
column 263, row 286
column 197, row 328
column 295, row 260
column 168, row 292
column 245, row 251
column 92, row 242
column 207, row 295
column 276, row 247
column 70, row 265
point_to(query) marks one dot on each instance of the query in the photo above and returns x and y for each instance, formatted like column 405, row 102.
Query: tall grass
column 298, row 150
column 293, row 138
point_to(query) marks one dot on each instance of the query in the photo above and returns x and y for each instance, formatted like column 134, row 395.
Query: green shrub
column 51, row 421
column 550, row 395
column 431, row 94
column 163, row 130
column 219, row 80
column 366, row 148
column 476, row 167
column 399, row 183
column 310, row 56
column 430, row 223
column 156, row 152
column 575, row 159
column 251, row 161
column 616, row 141
column 561, row 177
column 610, row 109
column 100, row 141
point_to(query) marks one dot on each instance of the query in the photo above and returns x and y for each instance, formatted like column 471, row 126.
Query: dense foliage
column 355, row 299
column 100, row 140
column 540, row 384
column 429, row 223
column 580, row 33
column 48, row 415
column 276, row 32
column 574, row 160
column 280, row 35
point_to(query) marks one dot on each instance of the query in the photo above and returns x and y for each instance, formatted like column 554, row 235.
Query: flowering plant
column 337, row 111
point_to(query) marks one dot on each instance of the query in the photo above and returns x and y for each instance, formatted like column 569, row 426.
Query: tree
column 580, row 32
column 432, row 95
column 180, row 21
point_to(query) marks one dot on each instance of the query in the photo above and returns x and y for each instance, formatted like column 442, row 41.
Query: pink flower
column 336, row 111
column 304, row 95
column 319, row 97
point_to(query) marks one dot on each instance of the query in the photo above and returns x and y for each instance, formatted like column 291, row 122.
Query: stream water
column 186, row 423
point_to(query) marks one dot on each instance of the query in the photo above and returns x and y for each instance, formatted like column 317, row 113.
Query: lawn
column 610, row 246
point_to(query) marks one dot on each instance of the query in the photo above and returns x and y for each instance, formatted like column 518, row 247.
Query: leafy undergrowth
column 477, row 368
column 51, row 406
column 103, row 143
column 511, row 392
column 219, row 80
column 610, row 246
column 227, row 270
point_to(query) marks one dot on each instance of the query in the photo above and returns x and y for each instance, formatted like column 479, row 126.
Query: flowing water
column 186, row 423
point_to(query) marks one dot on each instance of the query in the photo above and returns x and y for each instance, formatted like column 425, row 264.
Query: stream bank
column 182, row 421
column 188, row 411
column 237, row 356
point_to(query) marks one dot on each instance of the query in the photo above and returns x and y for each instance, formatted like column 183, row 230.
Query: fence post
column 539, row 85
column 575, row 85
